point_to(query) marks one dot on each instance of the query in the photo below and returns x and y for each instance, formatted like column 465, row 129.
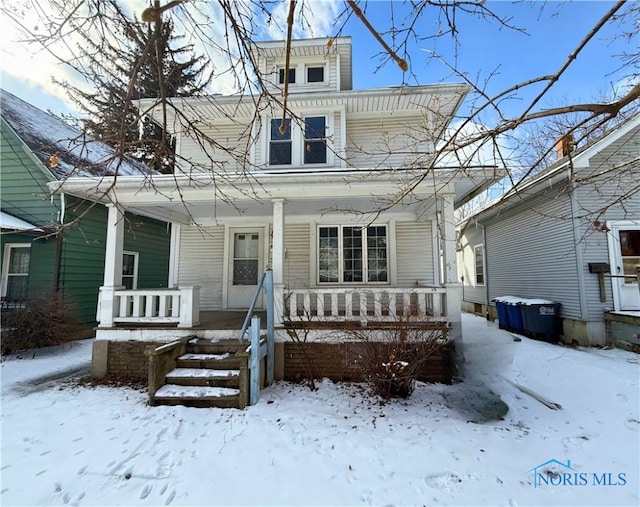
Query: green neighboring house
column 57, row 244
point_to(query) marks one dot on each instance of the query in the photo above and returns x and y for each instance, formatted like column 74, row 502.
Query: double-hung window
column 298, row 143
column 349, row 254
column 315, row 144
column 478, row 258
column 280, row 143
column 130, row 270
column 15, row 271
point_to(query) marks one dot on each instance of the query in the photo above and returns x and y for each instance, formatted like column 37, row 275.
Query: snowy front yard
column 64, row 444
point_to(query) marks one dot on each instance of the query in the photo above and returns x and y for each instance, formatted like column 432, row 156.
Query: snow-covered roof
column 11, row 223
column 78, row 154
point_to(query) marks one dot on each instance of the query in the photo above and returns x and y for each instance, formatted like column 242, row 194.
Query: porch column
column 277, row 260
column 450, row 269
column 107, row 306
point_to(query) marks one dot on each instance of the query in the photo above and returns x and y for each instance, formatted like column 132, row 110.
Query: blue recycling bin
column 515, row 317
column 503, row 315
column 541, row 318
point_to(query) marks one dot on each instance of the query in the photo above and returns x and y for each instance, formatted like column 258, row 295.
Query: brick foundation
column 128, row 359
column 337, row 362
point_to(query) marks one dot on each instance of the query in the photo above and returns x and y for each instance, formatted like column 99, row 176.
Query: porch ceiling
column 201, row 198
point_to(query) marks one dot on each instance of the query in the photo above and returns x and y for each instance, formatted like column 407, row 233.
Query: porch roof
column 186, row 199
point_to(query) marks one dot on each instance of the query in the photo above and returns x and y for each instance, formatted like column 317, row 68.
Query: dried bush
column 391, row 358
column 39, row 322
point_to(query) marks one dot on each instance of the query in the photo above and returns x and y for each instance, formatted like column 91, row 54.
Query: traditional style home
column 58, row 244
column 341, row 198
column 570, row 235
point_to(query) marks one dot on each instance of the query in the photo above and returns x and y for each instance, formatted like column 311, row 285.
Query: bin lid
column 516, row 300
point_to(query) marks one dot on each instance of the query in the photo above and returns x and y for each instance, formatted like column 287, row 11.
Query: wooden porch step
column 226, row 360
column 197, row 396
column 203, row 377
column 201, row 346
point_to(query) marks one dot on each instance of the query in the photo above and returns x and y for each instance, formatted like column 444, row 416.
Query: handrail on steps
column 257, row 350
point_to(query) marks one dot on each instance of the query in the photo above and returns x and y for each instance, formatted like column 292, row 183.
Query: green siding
column 25, row 195
column 24, row 182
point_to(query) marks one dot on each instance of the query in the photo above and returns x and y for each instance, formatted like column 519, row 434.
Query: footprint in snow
column 145, row 492
column 632, row 424
column 442, row 481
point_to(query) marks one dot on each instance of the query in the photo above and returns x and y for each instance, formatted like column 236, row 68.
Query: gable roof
column 559, row 171
column 78, row 154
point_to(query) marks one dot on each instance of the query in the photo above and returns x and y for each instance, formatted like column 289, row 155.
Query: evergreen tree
column 127, row 68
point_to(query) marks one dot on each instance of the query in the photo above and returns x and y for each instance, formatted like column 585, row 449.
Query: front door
column 625, row 256
column 245, row 267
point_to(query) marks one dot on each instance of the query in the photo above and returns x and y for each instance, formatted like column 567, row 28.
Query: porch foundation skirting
column 129, row 360
column 337, row 361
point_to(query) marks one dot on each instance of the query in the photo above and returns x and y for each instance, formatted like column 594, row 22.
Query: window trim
column 6, row 259
column 297, row 140
column 281, row 69
column 365, row 265
column 475, row 265
column 136, row 259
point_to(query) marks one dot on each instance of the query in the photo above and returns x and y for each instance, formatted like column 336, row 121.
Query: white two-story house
column 343, row 200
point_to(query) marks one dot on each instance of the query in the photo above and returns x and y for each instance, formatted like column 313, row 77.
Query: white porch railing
column 379, row 304
column 179, row 306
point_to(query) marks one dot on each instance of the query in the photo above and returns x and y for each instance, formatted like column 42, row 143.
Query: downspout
column 57, row 268
column 576, row 242
column 486, row 269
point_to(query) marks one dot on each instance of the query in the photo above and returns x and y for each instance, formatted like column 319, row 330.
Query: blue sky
column 553, row 30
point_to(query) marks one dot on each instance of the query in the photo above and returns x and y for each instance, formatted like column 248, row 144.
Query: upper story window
column 292, row 75
column 304, row 144
column 280, row 143
column 315, row 74
column 315, row 145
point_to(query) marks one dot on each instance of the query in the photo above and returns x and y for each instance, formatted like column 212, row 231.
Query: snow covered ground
column 81, row 445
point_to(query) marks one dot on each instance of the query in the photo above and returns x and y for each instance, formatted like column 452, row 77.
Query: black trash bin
column 541, row 318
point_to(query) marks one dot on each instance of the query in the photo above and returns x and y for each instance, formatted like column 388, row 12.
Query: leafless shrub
column 39, row 322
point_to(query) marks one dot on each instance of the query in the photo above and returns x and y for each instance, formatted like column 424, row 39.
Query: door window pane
column 246, row 250
column 630, row 250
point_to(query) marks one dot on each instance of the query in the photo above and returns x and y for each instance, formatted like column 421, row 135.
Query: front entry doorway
column 624, row 246
column 245, row 266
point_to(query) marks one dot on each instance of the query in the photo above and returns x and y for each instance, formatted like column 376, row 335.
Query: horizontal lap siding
column 296, row 264
column 466, row 266
column 414, row 253
column 201, row 262
column 531, row 253
column 594, row 198
column 231, row 153
column 386, row 141
column 151, row 239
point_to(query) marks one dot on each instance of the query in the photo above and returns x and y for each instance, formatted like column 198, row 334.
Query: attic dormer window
column 292, row 75
column 315, row 74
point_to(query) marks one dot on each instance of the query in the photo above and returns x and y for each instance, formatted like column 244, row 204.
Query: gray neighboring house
column 549, row 240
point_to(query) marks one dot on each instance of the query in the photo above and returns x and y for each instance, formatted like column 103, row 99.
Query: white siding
column 231, row 153
column 531, row 253
column 387, row 141
column 296, row 265
column 201, row 262
column 596, row 194
column 471, row 292
column 414, row 253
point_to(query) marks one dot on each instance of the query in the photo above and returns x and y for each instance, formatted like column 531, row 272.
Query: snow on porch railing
column 380, row 304
column 179, row 306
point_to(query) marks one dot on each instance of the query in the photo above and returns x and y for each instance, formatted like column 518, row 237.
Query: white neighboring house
column 288, row 201
column 570, row 235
